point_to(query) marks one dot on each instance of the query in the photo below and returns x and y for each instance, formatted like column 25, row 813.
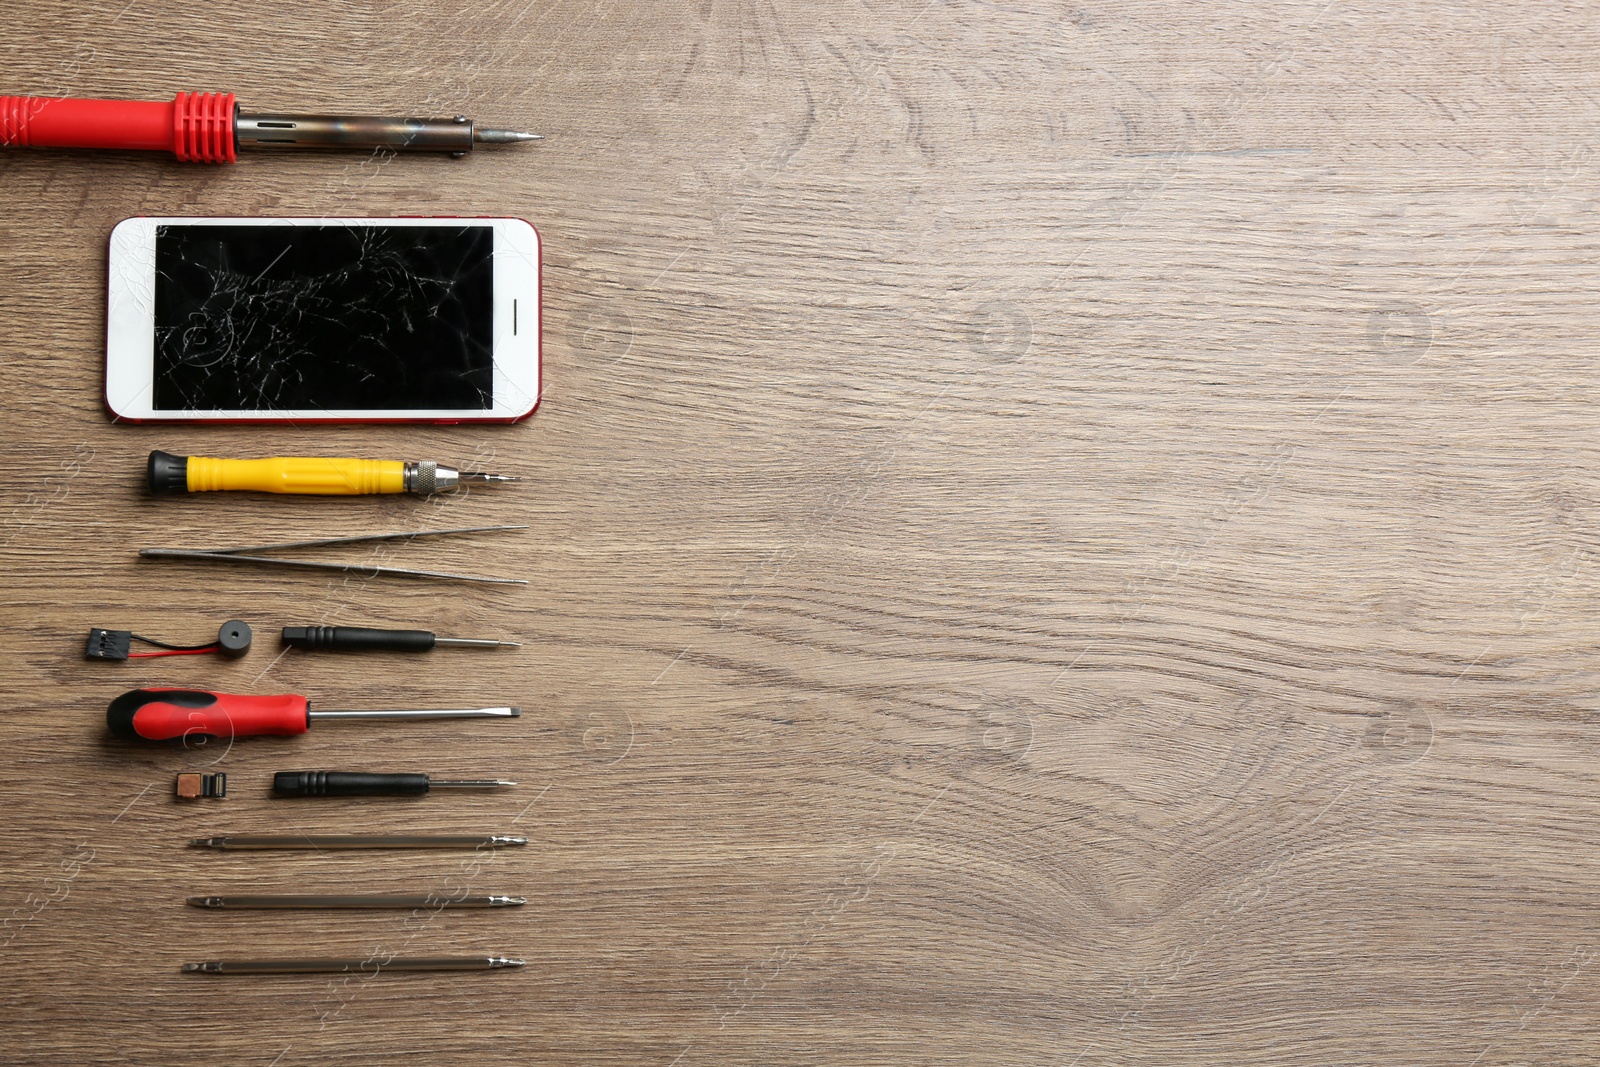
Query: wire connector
column 233, row 641
column 108, row 644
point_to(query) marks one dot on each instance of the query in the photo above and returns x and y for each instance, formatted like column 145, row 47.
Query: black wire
column 174, row 648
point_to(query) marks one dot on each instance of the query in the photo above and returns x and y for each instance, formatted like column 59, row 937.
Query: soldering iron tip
column 504, row 136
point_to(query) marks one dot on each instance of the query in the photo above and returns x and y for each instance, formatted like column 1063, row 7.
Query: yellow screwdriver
column 316, row 476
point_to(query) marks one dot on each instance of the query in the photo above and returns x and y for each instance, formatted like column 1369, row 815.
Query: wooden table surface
column 1059, row 534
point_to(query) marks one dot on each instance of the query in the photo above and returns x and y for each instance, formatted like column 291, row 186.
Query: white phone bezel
column 130, row 325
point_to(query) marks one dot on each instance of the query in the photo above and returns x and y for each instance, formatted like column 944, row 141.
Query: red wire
column 173, row 652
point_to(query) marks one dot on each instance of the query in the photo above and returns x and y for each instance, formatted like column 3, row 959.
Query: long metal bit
column 365, row 966
column 259, row 842
column 410, row 901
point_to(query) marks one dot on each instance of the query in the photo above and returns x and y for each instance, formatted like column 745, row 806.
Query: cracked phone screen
column 306, row 318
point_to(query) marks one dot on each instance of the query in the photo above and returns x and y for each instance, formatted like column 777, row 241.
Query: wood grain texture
column 1061, row 534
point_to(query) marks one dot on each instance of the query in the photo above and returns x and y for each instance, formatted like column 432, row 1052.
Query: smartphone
column 323, row 320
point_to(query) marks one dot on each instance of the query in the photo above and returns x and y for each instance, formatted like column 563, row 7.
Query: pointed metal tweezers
column 242, row 555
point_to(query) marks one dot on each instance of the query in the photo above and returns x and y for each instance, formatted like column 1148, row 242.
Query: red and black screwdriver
column 181, row 714
column 210, row 128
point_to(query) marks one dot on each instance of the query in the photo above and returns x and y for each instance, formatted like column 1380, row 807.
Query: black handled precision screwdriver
column 365, row 639
column 360, row 784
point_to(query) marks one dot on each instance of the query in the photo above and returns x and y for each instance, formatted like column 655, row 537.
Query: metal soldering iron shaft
column 504, row 136
column 455, row 135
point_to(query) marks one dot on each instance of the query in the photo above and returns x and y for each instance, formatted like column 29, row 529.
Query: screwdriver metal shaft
column 421, row 713
column 288, row 901
column 364, row 966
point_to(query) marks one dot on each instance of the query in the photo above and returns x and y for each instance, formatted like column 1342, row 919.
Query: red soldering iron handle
column 179, row 714
column 196, row 127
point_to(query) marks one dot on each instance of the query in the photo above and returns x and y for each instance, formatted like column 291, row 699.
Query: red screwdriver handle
column 196, row 127
column 173, row 714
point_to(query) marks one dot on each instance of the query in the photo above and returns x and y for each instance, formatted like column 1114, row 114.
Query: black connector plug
column 108, row 644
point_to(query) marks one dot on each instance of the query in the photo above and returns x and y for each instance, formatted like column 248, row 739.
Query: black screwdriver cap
column 168, row 473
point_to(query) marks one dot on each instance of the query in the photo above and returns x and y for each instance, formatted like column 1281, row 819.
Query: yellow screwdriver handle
column 322, row 477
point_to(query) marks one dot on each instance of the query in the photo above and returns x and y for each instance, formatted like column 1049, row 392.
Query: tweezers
column 244, row 555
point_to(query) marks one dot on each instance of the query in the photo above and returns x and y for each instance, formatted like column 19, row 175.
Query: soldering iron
column 210, row 128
